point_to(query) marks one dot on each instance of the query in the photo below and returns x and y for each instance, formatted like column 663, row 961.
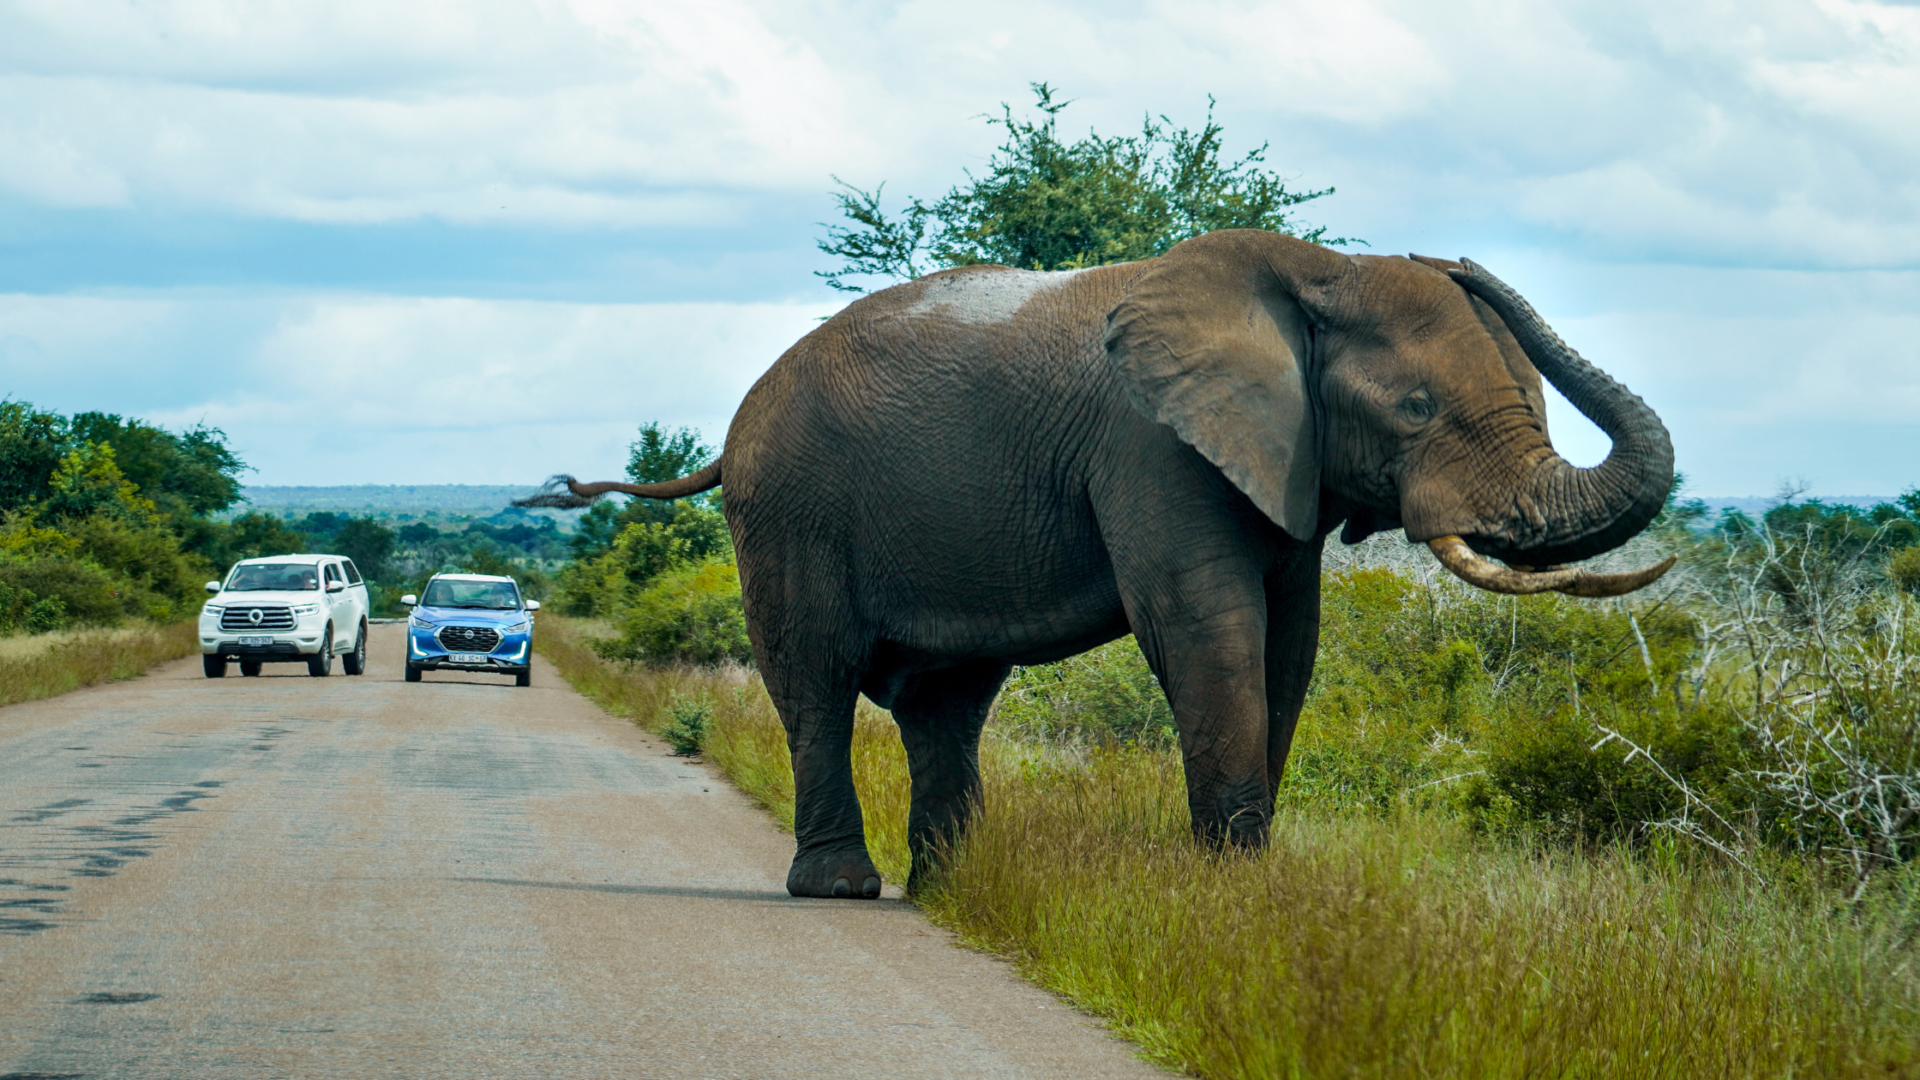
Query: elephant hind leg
column 940, row 714
column 815, row 697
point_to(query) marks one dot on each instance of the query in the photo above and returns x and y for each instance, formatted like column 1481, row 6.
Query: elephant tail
column 566, row 493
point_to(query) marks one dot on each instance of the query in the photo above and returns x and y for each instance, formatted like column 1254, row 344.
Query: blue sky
column 481, row 242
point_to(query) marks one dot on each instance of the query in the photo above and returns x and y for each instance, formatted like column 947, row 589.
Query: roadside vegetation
column 107, row 535
column 1675, row 834
column 1543, row 836
column 45, row 665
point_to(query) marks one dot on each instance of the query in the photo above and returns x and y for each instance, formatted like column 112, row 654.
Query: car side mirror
column 533, row 605
column 336, row 586
column 409, row 600
column 213, row 586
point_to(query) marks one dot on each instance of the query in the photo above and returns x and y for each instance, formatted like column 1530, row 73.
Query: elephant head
column 1405, row 391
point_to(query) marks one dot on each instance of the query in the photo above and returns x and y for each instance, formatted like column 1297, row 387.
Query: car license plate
column 467, row 657
column 257, row 639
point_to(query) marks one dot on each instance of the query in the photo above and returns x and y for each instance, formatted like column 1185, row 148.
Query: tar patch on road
column 115, row 817
column 114, row 997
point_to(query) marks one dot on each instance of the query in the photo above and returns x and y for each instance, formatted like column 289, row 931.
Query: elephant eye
column 1418, row 406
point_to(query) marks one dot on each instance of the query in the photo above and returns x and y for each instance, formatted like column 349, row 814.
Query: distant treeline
column 431, row 501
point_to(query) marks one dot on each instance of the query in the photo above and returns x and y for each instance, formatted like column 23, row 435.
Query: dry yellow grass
column 1357, row 945
column 44, row 665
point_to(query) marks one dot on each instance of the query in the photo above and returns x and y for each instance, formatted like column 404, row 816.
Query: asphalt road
column 289, row 876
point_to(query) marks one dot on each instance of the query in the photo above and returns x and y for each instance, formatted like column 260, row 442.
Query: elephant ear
column 1213, row 339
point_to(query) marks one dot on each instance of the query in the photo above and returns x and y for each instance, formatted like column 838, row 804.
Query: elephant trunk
column 1581, row 512
column 1566, row 513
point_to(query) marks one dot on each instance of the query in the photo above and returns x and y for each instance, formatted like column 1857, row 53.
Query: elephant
column 988, row 467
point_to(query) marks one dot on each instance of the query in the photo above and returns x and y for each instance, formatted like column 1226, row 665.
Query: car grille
column 240, row 619
column 469, row 638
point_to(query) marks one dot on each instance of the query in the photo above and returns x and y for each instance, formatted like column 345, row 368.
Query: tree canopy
column 190, row 473
column 1047, row 204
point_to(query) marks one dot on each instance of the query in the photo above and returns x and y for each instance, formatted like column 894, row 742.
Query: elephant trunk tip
column 1461, row 561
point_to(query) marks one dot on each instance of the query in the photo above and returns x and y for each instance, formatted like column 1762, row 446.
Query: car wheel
column 214, row 666
column 321, row 664
column 250, row 668
column 524, row 678
column 355, row 662
column 413, row 673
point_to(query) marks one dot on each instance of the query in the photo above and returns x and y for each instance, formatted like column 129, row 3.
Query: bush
column 86, row 594
column 1904, row 569
column 687, row 719
column 46, row 615
column 21, row 609
column 688, row 615
column 603, row 584
column 1105, row 695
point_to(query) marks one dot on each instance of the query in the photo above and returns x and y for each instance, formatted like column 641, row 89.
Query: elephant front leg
column 831, row 857
column 1293, row 643
column 940, row 716
column 1215, row 679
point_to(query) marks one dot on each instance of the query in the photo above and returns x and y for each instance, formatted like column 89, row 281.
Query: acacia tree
column 1046, row 204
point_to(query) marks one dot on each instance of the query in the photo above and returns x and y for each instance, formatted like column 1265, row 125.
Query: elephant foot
column 840, row 875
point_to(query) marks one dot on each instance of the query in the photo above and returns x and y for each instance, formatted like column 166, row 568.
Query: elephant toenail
column 870, row 888
column 841, row 889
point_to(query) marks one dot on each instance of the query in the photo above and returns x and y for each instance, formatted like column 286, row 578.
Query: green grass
column 1362, row 942
column 32, row 668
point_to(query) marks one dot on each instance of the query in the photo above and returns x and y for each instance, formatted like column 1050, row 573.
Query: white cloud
column 316, row 389
column 1586, row 142
column 333, row 389
column 1773, row 132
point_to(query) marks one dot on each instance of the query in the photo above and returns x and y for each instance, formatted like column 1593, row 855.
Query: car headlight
column 418, row 622
column 306, row 609
column 214, row 610
column 520, row 627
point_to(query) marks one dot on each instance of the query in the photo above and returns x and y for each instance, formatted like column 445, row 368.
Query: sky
column 481, row 242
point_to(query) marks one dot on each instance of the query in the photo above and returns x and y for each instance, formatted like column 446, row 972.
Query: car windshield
column 495, row 595
column 275, row 577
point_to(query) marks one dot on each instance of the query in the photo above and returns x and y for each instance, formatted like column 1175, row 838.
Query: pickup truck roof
column 289, row 558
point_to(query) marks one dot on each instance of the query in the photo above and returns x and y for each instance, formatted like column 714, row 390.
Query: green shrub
column 47, row 614
column 86, row 593
column 603, row 584
column 1904, row 569
column 1104, row 695
column 689, row 615
column 687, row 720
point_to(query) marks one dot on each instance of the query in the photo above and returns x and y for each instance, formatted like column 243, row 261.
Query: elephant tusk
column 1601, row 585
column 1463, row 563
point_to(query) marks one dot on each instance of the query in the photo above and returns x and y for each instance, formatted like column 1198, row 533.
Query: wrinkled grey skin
column 989, row 467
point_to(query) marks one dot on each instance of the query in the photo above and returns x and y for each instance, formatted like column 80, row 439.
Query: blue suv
column 471, row 622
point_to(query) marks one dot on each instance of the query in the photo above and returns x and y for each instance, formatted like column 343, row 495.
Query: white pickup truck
column 286, row 609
